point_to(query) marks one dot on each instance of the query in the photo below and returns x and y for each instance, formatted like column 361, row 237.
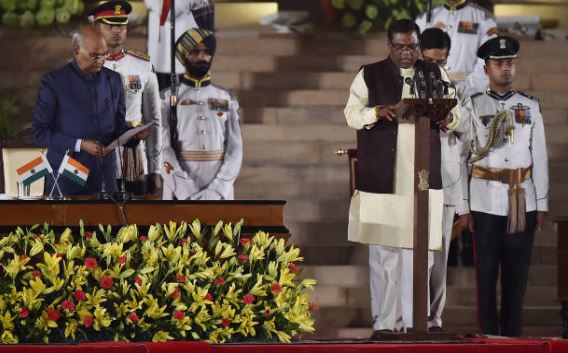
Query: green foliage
column 360, row 16
column 27, row 13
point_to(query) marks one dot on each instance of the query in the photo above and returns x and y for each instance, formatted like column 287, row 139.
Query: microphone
column 409, row 81
column 435, row 85
column 422, row 85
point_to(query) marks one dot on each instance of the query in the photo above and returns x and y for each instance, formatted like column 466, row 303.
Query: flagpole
column 56, row 179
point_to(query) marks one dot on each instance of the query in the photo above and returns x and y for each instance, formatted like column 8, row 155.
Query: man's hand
column 443, row 123
column 541, row 220
column 466, row 221
column 93, row 147
column 387, row 112
column 154, row 182
column 143, row 135
column 440, row 25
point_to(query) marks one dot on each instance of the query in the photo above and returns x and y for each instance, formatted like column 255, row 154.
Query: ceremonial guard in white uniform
column 204, row 161
column 509, row 188
column 469, row 26
column 140, row 167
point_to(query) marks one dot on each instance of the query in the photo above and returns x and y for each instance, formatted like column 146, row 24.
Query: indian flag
column 74, row 170
column 34, row 170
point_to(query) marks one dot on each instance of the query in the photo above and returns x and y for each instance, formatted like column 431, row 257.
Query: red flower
column 293, row 268
column 243, row 258
column 248, row 298
column 183, row 241
column 88, row 321
column 180, row 278
column 244, row 241
column 138, row 280
column 208, row 297
column 266, row 314
column 133, row 317
column 142, row 238
column 106, row 282
column 276, row 288
column 313, row 306
column 219, row 281
column 88, row 235
column 80, row 295
column 90, row 263
column 24, row 313
column 179, row 315
column 176, row 293
column 68, row 305
column 53, row 314
column 60, row 255
column 23, row 257
column 122, row 260
column 225, row 323
column 36, row 274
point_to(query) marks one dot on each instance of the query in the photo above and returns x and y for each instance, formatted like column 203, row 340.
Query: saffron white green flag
column 72, row 169
column 34, row 170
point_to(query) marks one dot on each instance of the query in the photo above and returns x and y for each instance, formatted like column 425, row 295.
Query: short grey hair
column 77, row 40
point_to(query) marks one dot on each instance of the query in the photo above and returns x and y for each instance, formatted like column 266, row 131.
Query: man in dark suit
column 80, row 108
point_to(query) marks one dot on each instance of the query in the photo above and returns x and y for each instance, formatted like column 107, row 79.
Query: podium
column 422, row 113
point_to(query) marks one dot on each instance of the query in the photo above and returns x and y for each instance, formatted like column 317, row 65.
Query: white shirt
column 528, row 148
column 142, row 103
column 468, row 27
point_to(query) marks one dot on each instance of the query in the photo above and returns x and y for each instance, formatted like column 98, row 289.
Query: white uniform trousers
column 385, row 263
column 439, row 270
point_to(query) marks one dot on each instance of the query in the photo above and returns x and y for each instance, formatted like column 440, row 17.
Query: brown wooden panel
column 562, row 258
column 62, row 213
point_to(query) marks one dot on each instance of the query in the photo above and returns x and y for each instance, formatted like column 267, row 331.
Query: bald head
column 89, row 49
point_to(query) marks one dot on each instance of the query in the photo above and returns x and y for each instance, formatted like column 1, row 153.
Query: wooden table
column 267, row 215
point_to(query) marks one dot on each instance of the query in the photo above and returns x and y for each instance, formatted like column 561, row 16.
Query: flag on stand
column 34, row 170
column 74, row 170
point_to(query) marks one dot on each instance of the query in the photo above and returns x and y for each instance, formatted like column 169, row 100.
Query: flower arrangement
column 178, row 282
column 360, row 16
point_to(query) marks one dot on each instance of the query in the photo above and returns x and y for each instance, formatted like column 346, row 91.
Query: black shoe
column 435, row 329
column 379, row 334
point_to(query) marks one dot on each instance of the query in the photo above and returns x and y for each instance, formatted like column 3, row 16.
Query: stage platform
column 495, row 345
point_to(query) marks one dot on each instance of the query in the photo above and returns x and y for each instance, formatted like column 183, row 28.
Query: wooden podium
column 266, row 215
column 422, row 113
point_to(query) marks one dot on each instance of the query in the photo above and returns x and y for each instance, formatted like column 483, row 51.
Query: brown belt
column 506, row 176
column 201, row 155
column 517, row 203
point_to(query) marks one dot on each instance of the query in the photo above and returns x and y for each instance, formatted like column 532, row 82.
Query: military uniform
column 208, row 156
column 468, row 26
column 509, row 185
column 142, row 106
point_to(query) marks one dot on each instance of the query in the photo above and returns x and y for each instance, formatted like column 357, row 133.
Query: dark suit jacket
column 71, row 105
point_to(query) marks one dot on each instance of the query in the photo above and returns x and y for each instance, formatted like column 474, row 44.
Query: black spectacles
column 402, row 47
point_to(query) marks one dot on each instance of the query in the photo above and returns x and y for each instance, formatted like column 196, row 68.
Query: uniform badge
column 468, row 27
column 218, row 104
column 522, row 114
column 134, row 82
column 117, row 9
column 486, row 119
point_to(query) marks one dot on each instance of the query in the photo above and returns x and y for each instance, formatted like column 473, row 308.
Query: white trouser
column 439, row 270
column 384, row 270
column 406, row 284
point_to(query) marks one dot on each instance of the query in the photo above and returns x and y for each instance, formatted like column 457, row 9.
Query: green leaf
column 338, row 4
column 348, row 20
column 372, row 11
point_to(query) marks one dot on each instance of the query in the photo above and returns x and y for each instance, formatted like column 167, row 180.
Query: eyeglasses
column 97, row 57
column 402, row 47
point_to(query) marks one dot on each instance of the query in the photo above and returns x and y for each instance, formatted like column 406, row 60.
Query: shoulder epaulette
column 528, row 96
column 138, row 54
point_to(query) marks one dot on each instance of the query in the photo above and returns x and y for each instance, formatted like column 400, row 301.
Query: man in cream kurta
column 385, row 221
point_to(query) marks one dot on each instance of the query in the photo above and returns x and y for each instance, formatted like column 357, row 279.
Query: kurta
column 388, row 219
